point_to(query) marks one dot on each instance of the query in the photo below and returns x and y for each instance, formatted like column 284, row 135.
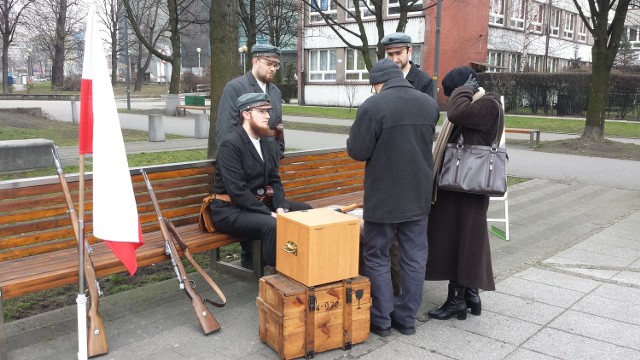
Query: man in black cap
column 398, row 48
column 266, row 61
column 393, row 133
column 249, row 194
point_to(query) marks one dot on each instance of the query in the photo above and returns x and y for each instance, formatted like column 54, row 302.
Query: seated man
column 250, row 194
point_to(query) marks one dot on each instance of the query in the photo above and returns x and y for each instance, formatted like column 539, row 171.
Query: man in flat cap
column 398, row 48
column 266, row 61
column 249, row 193
column 393, row 133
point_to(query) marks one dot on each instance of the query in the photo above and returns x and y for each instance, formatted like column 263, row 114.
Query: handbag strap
column 496, row 139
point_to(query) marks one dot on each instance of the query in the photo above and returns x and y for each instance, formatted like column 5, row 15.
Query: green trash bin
column 194, row 100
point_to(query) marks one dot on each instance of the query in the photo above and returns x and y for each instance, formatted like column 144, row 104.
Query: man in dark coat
column 458, row 238
column 398, row 48
column 266, row 61
column 393, row 133
column 249, row 194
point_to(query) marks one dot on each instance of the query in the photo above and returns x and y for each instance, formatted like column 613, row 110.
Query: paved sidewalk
column 568, row 285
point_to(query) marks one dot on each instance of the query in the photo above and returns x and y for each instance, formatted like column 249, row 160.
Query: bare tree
column 278, row 21
column 110, row 12
column 247, row 15
column 224, row 40
column 372, row 8
column 176, row 12
column 607, row 32
column 10, row 16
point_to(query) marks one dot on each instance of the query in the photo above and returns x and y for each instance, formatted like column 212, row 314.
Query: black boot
column 455, row 304
column 472, row 298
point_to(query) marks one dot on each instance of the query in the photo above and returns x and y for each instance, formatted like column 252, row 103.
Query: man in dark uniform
column 249, row 194
column 393, row 133
column 265, row 63
column 398, row 48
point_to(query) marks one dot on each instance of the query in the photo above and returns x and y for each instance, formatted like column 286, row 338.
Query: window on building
column 322, row 65
column 634, row 37
column 415, row 55
column 326, row 6
column 554, row 23
column 582, row 31
column 569, row 25
column 355, row 68
column 496, row 12
column 365, row 5
column 536, row 18
column 393, row 8
column 517, row 14
column 514, row 62
column 534, row 63
column 494, row 59
column 553, row 65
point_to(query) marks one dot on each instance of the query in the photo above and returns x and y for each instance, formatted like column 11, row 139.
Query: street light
column 198, row 50
column 243, row 50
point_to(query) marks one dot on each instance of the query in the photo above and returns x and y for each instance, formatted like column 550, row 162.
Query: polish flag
column 115, row 213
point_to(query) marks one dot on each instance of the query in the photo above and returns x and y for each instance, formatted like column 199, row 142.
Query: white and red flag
column 115, row 213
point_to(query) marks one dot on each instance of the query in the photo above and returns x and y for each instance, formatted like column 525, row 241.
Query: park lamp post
column 198, row 50
column 243, row 51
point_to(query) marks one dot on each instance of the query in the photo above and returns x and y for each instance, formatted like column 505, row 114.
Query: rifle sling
column 205, row 276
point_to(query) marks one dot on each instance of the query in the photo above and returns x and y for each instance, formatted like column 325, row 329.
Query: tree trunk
column 5, row 66
column 224, row 40
column 594, row 125
column 57, row 70
column 176, row 58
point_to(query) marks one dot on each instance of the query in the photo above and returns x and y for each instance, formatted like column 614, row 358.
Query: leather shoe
column 381, row 331
column 404, row 330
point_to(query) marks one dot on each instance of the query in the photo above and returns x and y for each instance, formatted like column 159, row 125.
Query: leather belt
column 223, row 197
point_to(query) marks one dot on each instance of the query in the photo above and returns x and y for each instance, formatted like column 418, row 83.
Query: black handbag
column 476, row 169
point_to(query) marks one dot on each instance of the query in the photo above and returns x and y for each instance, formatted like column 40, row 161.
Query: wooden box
column 339, row 315
column 317, row 246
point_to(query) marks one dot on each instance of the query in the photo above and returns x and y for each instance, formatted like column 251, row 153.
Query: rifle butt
column 96, row 336
column 206, row 319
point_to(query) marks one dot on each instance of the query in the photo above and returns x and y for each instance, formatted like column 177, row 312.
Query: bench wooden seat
column 184, row 109
column 534, row 134
column 38, row 249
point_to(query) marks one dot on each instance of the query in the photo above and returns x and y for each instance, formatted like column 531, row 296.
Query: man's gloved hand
column 472, row 83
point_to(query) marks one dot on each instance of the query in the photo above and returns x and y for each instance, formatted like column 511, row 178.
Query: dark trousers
column 251, row 225
column 412, row 240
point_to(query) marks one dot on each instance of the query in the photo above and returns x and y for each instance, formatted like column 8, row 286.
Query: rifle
column 346, row 209
column 206, row 319
column 97, row 337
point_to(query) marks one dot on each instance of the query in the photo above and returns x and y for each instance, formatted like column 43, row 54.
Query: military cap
column 248, row 101
column 396, row 40
column 265, row 50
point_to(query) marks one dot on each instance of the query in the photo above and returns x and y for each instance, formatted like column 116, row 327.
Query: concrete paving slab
column 544, row 293
column 568, row 346
column 596, row 327
column 519, row 308
column 622, row 311
column 524, row 354
column 498, row 327
column 544, row 276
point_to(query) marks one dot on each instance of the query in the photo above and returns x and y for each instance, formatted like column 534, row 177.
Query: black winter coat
column 458, row 238
column 393, row 133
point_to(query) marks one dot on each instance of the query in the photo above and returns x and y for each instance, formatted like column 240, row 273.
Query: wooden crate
column 338, row 319
column 317, row 246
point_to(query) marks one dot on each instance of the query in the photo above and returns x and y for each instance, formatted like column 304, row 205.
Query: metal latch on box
column 291, row 248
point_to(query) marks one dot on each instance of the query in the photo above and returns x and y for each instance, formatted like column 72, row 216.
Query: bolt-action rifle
column 97, row 337
column 207, row 321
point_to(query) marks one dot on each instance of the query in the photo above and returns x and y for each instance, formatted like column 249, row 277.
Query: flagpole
column 81, row 300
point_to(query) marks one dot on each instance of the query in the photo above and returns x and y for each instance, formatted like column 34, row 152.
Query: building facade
column 488, row 35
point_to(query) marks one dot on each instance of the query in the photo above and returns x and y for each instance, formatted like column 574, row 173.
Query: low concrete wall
column 52, row 97
column 25, row 154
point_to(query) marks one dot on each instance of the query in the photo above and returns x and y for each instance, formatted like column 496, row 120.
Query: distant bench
column 190, row 107
column 534, row 134
column 37, row 245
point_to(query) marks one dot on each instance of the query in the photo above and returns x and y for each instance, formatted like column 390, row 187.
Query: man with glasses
column 265, row 63
column 249, row 193
column 398, row 48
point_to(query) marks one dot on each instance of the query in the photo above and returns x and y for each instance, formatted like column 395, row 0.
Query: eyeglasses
column 272, row 64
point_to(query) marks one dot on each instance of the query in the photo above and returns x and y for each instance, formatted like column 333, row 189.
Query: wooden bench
column 534, row 134
column 190, row 107
column 38, row 249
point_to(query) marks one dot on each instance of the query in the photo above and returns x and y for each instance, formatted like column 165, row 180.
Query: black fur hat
column 456, row 78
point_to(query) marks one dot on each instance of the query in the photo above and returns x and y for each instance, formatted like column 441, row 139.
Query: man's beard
column 259, row 129
column 266, row 78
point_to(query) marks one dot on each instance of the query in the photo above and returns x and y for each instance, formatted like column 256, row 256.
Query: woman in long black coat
column 458, row 238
